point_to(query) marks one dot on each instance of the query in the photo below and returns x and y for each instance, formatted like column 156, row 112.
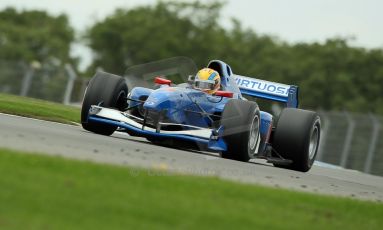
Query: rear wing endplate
column 287, row 94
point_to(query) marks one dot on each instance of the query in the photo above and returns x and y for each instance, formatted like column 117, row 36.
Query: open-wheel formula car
column 224, row 122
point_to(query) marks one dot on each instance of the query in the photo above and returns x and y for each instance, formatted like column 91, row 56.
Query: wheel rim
column 313, row 142
column 254, row 132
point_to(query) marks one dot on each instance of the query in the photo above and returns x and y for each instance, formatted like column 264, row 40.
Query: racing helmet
column 207, row 80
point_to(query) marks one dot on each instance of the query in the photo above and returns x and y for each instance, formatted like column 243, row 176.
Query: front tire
column 296, row 137
column 241, row 122
column 106, row 90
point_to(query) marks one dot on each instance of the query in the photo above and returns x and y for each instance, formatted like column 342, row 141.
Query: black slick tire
column 296, row 137
column 241, row 121
column 106, row 90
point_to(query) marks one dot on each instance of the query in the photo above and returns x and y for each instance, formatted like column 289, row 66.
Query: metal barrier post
column 373, row 143
column 348, row 140
column 323, row 139
column 69, row 87
column 27, row 81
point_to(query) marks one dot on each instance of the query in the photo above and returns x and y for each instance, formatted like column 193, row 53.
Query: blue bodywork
column 187, row 106
column 181, row 105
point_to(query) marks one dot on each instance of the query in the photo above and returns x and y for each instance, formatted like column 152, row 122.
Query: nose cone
column 164, row 98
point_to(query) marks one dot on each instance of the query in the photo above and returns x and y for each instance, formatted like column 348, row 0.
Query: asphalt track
column 72, row 141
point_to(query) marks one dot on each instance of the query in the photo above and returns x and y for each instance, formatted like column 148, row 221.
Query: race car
column 225, row 121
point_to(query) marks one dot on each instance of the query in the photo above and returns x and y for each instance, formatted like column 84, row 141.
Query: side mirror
column 224, row 94
column 191, row 78
column 162, row 81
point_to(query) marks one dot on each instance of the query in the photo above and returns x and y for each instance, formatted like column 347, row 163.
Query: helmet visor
column 204, row 84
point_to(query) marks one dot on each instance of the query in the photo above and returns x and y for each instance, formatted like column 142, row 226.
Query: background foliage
column 34, row 36
column 331, row 75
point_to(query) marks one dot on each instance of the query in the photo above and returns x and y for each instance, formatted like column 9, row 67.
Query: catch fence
column 350, row 140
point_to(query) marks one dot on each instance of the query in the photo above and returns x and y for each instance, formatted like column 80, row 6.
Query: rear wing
column 287, row 94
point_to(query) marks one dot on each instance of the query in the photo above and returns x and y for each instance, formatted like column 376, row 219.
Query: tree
column 150, row 33
column 34, row 36
column 331, row 75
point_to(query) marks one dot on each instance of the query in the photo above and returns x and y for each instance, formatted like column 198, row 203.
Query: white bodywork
column 261, row 86
column 124, row 117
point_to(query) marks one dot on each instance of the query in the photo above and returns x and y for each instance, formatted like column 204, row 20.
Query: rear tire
column 106, row 90
column 296, row 137
column 241, row 122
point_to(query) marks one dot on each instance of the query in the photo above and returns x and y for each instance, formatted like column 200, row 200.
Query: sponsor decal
column 170, row 89
column 262, row 86
column 149, row 103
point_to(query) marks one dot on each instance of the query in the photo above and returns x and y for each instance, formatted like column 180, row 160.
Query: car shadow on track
column 146, row 142
column 210, row 155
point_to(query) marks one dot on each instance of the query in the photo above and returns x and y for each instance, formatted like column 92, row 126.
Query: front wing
column 127, row 123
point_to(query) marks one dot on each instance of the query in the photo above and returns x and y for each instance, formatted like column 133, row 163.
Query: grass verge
column 35, row 108
column 41, row 192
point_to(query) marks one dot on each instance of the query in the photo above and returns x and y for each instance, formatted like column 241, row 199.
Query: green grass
column 40, row 109
column 41, row 192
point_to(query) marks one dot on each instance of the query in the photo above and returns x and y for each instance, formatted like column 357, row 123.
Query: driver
column 207, row 80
